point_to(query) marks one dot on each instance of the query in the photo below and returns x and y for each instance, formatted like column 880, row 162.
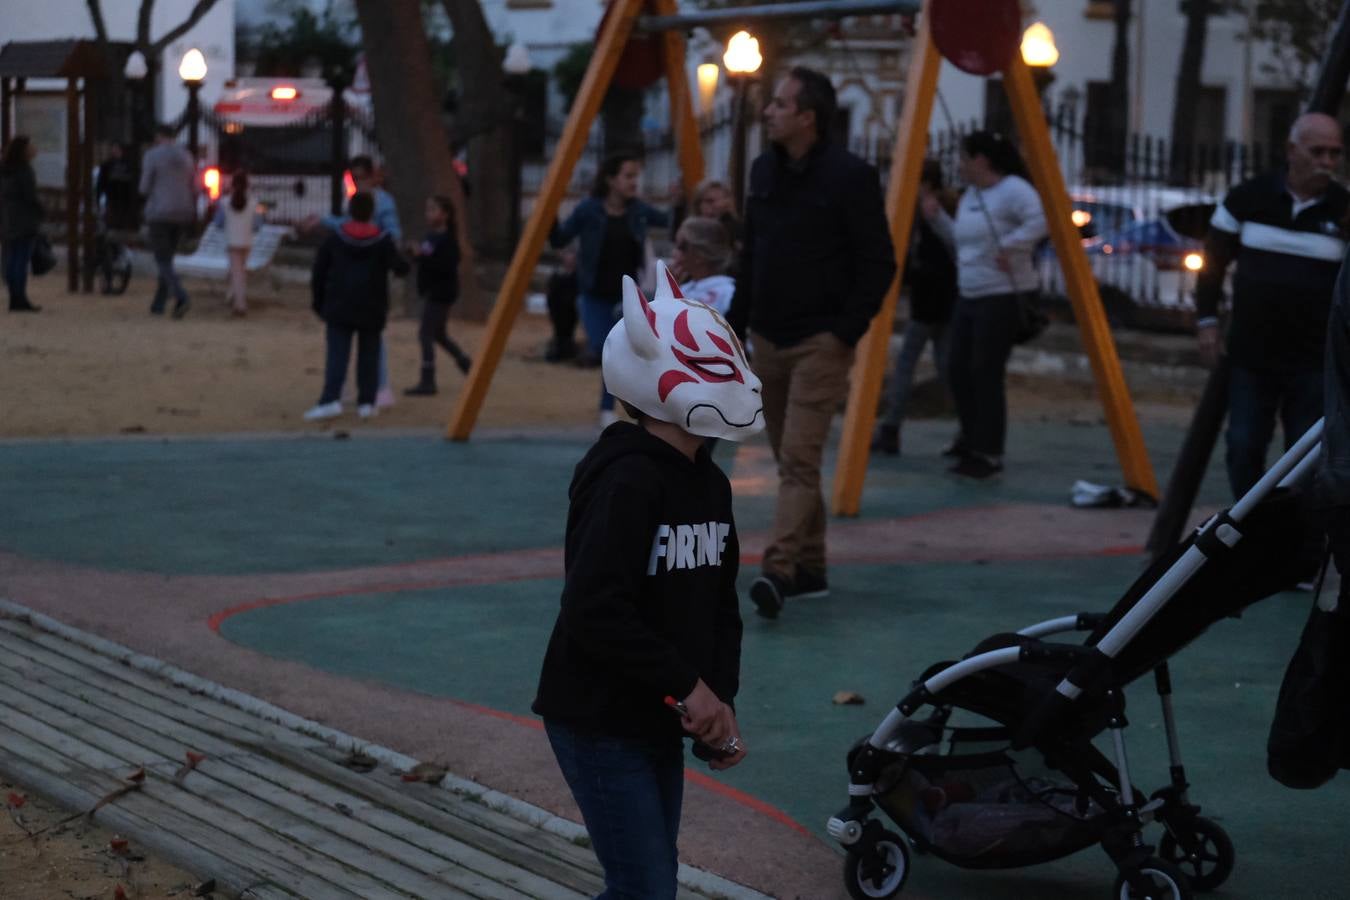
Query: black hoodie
column 350, row 281
column 649, row 604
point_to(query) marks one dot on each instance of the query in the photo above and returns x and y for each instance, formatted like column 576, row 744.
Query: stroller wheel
column 1200, row 848
column 878, row 871
column 1169, row 883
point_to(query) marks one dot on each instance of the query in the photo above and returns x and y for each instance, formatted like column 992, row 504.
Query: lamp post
column 1040, row 54
column 516, row 66
column 193, row 71
column 742, row 60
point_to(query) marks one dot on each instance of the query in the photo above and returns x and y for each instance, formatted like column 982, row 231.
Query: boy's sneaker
column 768, row 592
column 366, row 411
column 977, row 466
column 385, row 398
column 324, row 411
column 809, row 585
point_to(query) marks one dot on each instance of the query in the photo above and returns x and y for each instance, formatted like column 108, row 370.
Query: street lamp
column 516, row 66
column 193, row 72
column 742, row 60
column 1040, row 54
column 708, row 73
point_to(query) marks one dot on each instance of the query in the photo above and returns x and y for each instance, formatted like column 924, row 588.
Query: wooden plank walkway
column 268, row 812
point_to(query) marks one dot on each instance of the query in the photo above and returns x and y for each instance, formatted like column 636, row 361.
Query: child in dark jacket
column 350, row 286
column 647, row 645
column 438, row 285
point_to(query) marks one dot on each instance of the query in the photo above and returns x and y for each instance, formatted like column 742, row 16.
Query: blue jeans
column 983, row 332
column 164, row 238
column 597, row 317
column 1254, row 400
column 630, row 791
column 18, row 253
column 367, row 363
column 917, row 334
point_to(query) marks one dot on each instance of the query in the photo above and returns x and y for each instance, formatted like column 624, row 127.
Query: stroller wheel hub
column 845, row 832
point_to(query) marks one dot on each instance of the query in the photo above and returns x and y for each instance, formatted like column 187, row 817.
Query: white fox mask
column 678, row 361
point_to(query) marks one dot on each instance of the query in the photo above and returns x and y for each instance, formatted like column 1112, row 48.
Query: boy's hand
column 710, row 720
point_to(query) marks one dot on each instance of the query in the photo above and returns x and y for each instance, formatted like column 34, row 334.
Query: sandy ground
column 74, row 859
column 94, row 365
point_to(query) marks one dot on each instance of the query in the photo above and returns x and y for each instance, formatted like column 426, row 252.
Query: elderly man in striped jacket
column 1287, row 233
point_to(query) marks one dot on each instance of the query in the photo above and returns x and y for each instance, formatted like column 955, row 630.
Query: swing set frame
column 624, row 18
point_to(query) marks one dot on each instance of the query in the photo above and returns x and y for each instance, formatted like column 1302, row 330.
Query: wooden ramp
column 266, row 811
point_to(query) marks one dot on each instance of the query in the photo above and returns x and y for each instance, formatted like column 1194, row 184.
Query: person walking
column 999, row 222
column 350, row 285
column 1286, row 233
column 437, row 259
column 930, row 274
column 168, row 183
column 646, row 648
column 816, row 261
column 21, row 216
column 237, row 218
column 611, row 226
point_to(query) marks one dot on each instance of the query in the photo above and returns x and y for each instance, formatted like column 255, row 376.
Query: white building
column 53, row 20
column 1241, row 100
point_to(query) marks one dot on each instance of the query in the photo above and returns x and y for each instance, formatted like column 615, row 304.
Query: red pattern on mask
column 670, row 379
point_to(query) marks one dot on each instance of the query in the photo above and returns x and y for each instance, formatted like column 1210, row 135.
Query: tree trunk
column 1116, row 127
column 486, row 122
column 1187, row 100
column 408, row 121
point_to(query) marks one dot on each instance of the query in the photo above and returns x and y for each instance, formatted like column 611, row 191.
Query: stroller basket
column 988, row 810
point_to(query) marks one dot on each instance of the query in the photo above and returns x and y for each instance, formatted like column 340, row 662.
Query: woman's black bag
column 44, row 257
column 1031, row 319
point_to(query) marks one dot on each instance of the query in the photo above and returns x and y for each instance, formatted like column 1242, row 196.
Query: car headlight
column 1193, row 261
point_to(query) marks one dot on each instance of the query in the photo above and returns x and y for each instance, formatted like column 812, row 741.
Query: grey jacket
column 20, row 209
column 168, row 182
column 1333, row 474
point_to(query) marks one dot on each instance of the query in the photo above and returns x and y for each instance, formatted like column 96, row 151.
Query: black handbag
column 44, row 257
column 1310, row 735
column 1031, row 319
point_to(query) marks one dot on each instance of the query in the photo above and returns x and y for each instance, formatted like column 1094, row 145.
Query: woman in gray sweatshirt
column 998, row 224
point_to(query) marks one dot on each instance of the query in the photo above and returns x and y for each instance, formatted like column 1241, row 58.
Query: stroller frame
column 877, row 861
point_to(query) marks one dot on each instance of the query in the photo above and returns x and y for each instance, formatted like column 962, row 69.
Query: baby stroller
column 1023, row 783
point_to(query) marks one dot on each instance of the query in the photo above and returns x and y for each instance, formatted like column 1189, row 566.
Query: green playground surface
column 241, row 506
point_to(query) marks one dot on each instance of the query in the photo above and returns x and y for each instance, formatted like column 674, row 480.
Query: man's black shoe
column 156, row 309
column 767, row 593
column 976, row 466
column 180, row 308
column 887, row 440
column 809, row 585
column 24, row 307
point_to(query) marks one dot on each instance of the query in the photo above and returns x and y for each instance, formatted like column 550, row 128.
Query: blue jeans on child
column 597, row 317
column 339, row 340
column 629, row 791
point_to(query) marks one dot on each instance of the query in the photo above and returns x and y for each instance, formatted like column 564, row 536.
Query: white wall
column 1085, row 47
column 50, row 20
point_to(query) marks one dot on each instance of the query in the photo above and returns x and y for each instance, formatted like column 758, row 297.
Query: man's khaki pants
column 803, row 387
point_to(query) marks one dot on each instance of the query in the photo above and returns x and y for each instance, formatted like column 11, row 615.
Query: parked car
column 1145, row 245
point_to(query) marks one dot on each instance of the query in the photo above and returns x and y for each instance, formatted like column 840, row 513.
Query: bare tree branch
column 143, row 26
column 202, row 8
column 100, row 27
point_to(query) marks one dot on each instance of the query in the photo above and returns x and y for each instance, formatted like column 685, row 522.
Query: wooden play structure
column 621, row 21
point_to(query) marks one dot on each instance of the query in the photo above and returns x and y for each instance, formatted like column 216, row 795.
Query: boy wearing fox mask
column 646, row 649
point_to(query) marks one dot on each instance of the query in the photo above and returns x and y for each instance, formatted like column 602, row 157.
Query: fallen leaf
column 119, row 845
column 15, row 801
column 848, row 698
column 431, row 773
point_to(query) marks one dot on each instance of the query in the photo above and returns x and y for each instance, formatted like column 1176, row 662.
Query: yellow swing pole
column 1078, row 279
column 902, row 192
column 568, row 152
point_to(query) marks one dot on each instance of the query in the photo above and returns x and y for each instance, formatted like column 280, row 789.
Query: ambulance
column 278, row 130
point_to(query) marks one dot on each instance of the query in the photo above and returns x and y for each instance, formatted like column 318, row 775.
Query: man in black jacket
column 816, row 261
column 1286, row 233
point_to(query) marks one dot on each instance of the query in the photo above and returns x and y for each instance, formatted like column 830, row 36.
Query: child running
column 647, row 645
column 438, row 286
